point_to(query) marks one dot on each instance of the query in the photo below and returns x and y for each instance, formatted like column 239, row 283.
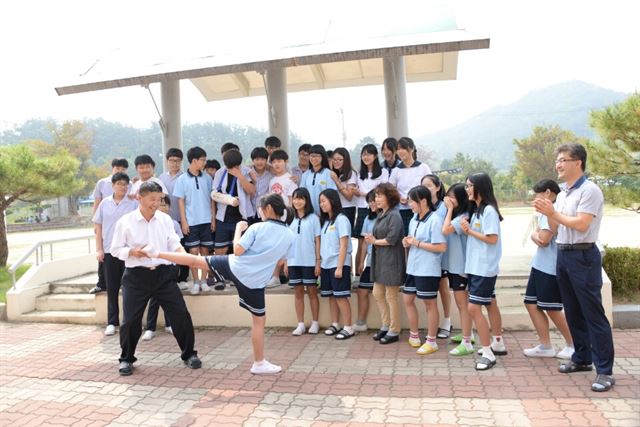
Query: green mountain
column 490, row 134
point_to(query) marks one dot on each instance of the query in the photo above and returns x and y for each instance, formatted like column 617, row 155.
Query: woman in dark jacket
column 388, row 265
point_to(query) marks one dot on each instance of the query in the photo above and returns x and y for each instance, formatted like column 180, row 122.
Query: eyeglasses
column 174, row 160
column 561, row 161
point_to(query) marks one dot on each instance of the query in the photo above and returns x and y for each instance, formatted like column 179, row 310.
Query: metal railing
column 38, row 248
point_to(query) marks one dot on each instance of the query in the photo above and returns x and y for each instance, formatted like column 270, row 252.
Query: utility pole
column 344, row 131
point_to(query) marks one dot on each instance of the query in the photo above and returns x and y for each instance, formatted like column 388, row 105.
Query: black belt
column 575, row 246
column 151, row 267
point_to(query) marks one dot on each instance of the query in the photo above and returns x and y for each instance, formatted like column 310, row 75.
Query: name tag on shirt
column 332, row 228
column 323, row 182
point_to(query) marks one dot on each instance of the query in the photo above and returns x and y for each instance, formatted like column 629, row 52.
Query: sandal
column 571, row 367
column 330, row 331
column 443, row 333
column 461, row 350
column 344, row 334
column 488, row 364
column 603, row 383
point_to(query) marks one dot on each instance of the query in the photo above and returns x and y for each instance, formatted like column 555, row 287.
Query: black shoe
column 379, row 335
column 283, row 279
column 388, row 339
column 96, row 290
column 125, row 369
column 193, row 362
column 219, row 286
column 571, row 367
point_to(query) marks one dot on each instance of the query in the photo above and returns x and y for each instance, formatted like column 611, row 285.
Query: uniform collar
column 576, row 184
column 414, row 165
column 139, row 216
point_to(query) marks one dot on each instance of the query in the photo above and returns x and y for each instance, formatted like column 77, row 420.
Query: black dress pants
column 113, row 270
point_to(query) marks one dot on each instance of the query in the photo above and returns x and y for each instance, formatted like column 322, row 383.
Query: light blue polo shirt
column 482, row 258
column 367, row 228
column 108, row 214
column 195, row 190
column 316, row 183
column 330, row 242
column 265, row 243
column 545, row 258
column 422, row 262
column 454, row 257
column 441, row 211
column 305, row 231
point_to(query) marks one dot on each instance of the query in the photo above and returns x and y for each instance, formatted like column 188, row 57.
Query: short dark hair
column 228, row 146
column 407, row 143
column 390, row 192
column 120, row 176
column 319, row 149
column 166, row 199
column 259, row 153
column 305, row 148
column 195, row 153
column 272, row 141
column 120, row 162
column 232, row 158
column 279, row 155
column 546, row 184
column 336, row 205
column 419, row 193
column 149, row 187
column 303, row 193
column 144, row 159
column 576, row 151
column 213, row 163
column 174, row 152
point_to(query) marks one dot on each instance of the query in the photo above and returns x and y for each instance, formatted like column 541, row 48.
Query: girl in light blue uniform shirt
column 319, row 176
column 453, row 260
column 436, row 187
column 484, row 251
column 364, row 263
column 303, row 267
column 426, row 244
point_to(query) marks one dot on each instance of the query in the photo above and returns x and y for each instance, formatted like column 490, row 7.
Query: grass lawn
column 5, row 279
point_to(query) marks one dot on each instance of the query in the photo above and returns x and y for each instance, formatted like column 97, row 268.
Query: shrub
column 623, row 268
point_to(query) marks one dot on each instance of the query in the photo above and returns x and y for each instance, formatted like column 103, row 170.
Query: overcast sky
column 533, row 44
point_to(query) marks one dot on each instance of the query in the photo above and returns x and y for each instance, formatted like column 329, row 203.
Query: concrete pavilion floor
column 55, row 374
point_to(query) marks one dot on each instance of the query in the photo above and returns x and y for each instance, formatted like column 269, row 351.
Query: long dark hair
column 438, row 183
column 392, row 145
column 336, row 206
column 303, row 193
column 419, row 193
column 370, row 197
column 345, row 172
column 460, row 194
column 319, row 149
column 407, row 143
column 376, row 169
column 483, row 187
column 278, row 205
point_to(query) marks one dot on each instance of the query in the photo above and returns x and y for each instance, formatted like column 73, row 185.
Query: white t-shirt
column 284, row 186
column 353, row 180
column 366, row 185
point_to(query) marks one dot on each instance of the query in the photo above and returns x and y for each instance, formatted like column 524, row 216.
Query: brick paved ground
column 64, row 375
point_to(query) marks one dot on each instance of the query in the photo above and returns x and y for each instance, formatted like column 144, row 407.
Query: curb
column 626, row 316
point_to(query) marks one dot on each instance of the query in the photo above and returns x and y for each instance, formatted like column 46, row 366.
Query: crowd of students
column 250, row 225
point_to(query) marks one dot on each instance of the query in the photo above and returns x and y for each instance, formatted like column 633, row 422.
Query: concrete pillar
column 276, row 89
column 171, row 123
column 395, row 93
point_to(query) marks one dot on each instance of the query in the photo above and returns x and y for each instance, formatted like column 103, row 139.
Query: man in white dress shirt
column 150, row 277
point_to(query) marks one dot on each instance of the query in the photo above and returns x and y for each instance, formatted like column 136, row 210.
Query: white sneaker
column 204, row 287
column 299, row 330
column 265, row 368
column 110, row 330
column 498, row 347
column 314, row 328
column 360, row 328
column 183, row 286
column 275, row 281
column 148, row 335
column 565, row 353
column 169, row 330
column 538, row 351
column 195, row 288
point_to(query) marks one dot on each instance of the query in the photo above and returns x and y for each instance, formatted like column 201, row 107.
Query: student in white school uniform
column 193, row 190
column 335, row 273
column 457, row 204
column 426, row 243
column 542, row 298
column 407, row 175
column 303, row 266
column 371, row 175
column 365, row 285
column 145, row 167
column 484, row 250
column 436, row 187
column 104, row 189
column 318, row 178
column 109, row 211
column 388, row 150
column 255, row 254
column 347, row 183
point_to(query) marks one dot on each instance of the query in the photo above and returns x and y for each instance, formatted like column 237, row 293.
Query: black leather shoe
column 388, row 339
column 379, row 335
column 125, row 369
column 193, row 362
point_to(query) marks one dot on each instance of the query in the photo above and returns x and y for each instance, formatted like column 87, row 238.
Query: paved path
column 63, row 375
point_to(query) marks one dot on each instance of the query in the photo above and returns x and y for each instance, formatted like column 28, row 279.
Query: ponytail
column 282, row 211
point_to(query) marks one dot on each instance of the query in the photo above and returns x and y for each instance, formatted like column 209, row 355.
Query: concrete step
column 65, row 302
column 75, row 285
column 85, row 317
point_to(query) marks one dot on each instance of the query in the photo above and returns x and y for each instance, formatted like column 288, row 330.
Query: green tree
column 355, row 151
column 616, row 156
column 463, row 165
column 27, row 176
